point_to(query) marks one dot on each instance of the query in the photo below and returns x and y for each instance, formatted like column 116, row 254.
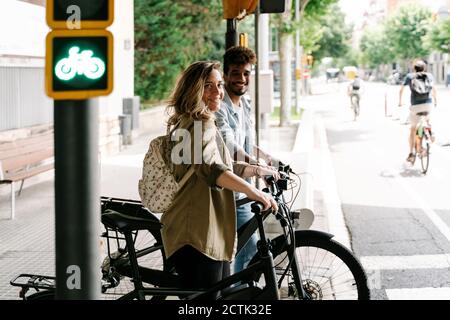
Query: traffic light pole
column 77, row 200
column 231, row 37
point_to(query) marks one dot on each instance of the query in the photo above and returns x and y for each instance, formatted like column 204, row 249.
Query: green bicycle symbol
column 80, row 63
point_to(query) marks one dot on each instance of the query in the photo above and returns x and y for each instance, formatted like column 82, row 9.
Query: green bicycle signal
column 80, row 63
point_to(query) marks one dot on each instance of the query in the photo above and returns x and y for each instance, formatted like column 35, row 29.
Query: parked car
column 332, row 73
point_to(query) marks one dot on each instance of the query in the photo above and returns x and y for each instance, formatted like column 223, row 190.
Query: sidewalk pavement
column 27, row 242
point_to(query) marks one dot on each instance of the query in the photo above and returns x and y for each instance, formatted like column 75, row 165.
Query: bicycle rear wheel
column 42, row 295
column 425, row 155
column 355, row 104
column 328, row 270
column 116, row 280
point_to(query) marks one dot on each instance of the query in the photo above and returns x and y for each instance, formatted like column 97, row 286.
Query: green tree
column 375, row 47
column 311, row 33
column 336, row 34
column 169, row 35
column 439, row 36
column 406, row 32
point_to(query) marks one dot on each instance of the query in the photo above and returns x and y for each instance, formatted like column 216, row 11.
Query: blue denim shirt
column 228, row 123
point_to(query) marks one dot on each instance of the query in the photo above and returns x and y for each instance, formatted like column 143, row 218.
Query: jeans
column 242, row 259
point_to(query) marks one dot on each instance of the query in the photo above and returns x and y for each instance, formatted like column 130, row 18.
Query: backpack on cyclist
column 356, row 85
column 421, row 85
column 158, row 186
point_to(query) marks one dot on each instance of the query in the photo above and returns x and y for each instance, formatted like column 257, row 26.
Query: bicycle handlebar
column 257, row 207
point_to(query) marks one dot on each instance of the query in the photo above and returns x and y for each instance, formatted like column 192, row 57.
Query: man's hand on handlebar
column 265, row 171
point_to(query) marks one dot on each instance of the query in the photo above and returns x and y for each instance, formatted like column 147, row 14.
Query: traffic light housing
column 272, row 6
column 63, row 14
column 79, row 62
column 310, row 59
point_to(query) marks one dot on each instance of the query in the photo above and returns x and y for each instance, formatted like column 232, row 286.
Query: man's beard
column 237, row 92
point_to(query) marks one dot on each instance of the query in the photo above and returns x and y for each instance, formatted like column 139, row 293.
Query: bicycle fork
column 296, row 275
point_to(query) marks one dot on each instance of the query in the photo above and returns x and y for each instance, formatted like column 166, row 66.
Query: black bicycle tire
column 42, row 295
column 126, row 280
column 355, row 104
column 315, row 239
column 356, row 110
column 427, row 157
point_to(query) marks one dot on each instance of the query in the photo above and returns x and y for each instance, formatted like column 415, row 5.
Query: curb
column 332, row 202
column 300, row 158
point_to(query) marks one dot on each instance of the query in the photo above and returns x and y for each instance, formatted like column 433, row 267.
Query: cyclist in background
column 355, row 88
column 421, row 85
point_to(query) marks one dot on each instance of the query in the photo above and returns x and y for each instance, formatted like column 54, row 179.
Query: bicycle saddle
column 121, row 222
column 424, row 113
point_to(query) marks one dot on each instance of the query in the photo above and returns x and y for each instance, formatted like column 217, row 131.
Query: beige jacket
column 203, row 215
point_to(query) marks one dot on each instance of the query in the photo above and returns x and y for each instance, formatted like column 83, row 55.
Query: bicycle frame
column 264, row 264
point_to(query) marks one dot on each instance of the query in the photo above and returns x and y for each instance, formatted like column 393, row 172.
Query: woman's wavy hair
column 186, row 99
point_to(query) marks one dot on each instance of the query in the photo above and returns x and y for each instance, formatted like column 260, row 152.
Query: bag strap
column 187, row 175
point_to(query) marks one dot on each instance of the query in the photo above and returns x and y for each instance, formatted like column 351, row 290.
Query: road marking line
column 422, row 204
column 432, row 215
column 419, row 294
column 432, row 261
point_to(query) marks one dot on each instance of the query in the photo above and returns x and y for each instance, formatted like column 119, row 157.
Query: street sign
column 79, row 64
column 80, row 14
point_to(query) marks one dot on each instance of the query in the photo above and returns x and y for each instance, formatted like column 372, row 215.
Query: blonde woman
column 199, row 229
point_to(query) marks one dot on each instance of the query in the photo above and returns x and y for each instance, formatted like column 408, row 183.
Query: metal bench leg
column 13, row 200
column 20, row 189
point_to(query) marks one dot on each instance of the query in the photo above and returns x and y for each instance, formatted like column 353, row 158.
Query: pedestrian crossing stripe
column 435, row 261
column 419, row 294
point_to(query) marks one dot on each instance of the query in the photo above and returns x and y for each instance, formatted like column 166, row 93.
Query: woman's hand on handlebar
column 265, row 198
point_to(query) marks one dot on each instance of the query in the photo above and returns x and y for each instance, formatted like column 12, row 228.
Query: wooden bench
column 24, row 158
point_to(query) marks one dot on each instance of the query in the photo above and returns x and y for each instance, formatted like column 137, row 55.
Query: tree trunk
column 285, row 52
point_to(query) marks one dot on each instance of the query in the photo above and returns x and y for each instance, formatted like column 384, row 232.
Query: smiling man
column 236, row 126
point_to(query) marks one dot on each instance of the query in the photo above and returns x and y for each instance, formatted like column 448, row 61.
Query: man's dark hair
column 419, row 66
column 238, row 56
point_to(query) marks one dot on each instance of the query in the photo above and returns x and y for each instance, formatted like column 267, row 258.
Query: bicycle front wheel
column 328, row 270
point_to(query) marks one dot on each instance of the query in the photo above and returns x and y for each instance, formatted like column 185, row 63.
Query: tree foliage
column 309, row 9
column 336, row 34
column 311, row 32
column 169, row 35
column 407, row 30
column 376, row 48
column 439, row 36
column 404, row 36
